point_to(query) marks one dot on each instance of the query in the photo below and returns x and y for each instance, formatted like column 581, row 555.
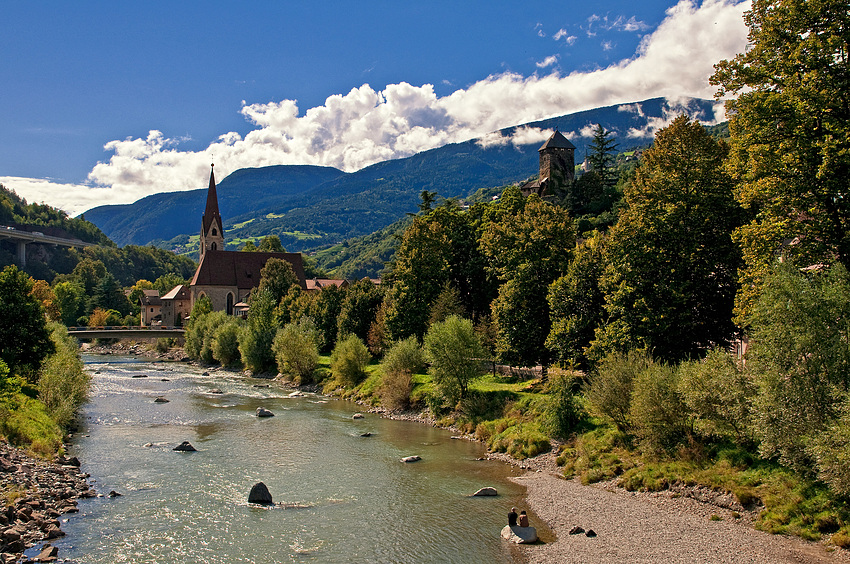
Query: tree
column 577, row 304
column 799, row 359
column 454, row 352
column 71, row 300
column 349, row 360
column 528, row 250
column 271, row 244
column 255, row 339
column 357, row 311
column 42, row 291
column 603, row 149
column 109, row 295
column 89, row 272
column 670, row 280
column 277, row 277
column 24, row 338
column 790, row 136
column 296, row 349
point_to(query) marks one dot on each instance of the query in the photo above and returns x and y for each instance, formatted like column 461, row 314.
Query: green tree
column 271, row 244
column 71, row 301
column 349, row 360
column 453, row 349
column 296, row 348
column 603, row 150
column 256, row 338
column 671, row 276
column 799, row 359
column 277, row 277
column 528, row 250
column 109, row 295
column 24, row 338
column 577, row 304
column 357, row 311
column 89, row 273
column 790, row 136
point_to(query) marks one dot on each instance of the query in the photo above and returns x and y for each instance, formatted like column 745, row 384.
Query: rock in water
column 357, row 416
column 263, row 412
column 160, row 399
column 486, row 491
column 413, row 458
column 185, row 446
column 216, row 391
column 260, row 495
column 519, row 535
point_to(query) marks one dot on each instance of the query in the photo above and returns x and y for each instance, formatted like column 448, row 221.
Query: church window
column 229, row 303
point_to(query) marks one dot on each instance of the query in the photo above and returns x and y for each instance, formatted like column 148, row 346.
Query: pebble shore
column 648, row 528
column 35, row 494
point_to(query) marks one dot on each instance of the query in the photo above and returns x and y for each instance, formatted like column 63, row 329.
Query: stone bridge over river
column 125, row 332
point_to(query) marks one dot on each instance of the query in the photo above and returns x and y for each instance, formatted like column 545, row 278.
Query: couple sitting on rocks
column 512, row 518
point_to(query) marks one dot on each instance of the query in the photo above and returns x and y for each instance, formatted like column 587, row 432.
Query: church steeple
column 212, row 233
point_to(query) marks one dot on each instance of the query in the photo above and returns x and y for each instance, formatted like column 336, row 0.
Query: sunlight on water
column 341, row 497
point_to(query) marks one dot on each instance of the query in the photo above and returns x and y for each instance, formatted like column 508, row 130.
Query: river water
column 343, row 497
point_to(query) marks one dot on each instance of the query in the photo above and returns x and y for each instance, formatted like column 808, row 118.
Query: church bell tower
column 212, row 234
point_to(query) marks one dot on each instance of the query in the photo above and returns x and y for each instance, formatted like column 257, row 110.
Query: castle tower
column 212, row 233
column 557, row 163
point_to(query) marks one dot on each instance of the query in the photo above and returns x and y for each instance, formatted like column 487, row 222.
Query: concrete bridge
column 24, row 238
column 125, row 332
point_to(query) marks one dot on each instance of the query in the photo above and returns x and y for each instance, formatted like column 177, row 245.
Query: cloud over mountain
column 365, row 125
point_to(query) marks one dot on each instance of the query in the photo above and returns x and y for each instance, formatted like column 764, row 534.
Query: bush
column 296, row 349
column 225, row 342
column 349, row 360
column 404, row 356
column 454, row 351
column 520, row 441
column 718, row 394
column 564, row 411
column 610, row 388
column 63, row 385
column 658, row 414
column 831, row 451
column 395, row 389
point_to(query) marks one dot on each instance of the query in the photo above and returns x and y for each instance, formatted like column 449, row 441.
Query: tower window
column 214, row 232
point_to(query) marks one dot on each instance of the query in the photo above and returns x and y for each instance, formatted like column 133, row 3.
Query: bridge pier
column 22, row 254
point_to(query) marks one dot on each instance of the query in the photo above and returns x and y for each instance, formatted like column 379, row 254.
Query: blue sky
column 106, row 102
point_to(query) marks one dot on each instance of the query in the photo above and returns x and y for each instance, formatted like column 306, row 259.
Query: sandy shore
column 638, row 528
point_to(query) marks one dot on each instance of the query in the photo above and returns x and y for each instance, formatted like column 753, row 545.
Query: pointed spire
column 211, row 212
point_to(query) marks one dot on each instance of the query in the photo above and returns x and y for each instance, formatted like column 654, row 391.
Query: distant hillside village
column 225, row 277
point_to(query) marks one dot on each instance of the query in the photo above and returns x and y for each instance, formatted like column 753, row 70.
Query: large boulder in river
column 486, row 491
column 185, row 446
column 413, row 458
column 260, row 495
column 519, row 535
column 263, row 412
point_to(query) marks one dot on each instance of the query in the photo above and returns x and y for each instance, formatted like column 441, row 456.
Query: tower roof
column 211, row 211
column 557, row 141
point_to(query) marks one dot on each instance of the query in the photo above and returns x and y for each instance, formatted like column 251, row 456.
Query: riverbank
column 36, row 493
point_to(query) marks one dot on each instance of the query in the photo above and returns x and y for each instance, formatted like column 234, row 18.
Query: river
column 343, row 497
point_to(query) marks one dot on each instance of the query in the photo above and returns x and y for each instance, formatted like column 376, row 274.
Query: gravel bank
column 644, row 528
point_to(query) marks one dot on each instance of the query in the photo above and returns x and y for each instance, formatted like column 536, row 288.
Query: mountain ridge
column 310, row 206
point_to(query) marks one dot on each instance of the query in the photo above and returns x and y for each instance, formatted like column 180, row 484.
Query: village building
column 227, row 277
column 557, row 167
column 151, row 307
column 176, row 306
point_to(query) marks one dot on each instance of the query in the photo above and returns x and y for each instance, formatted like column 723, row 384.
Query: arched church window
column 214, row 232
column 213, row 247
column 229, row 303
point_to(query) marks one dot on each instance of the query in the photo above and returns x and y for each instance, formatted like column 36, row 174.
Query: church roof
column 211, row 211
column 557, row 141
column 179, row 292
column 241, row 269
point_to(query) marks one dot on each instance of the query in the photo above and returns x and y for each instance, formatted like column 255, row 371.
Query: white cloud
column 587, row 130
column 547, row 62
column 72, row 198
column 528, row 135
column 365, row 126
column 564, row 34
column 607, row 45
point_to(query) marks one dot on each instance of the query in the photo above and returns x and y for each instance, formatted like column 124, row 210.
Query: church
column 225, row 277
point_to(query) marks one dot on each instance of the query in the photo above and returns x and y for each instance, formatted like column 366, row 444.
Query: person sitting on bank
column 523, row 519
column 512, row 516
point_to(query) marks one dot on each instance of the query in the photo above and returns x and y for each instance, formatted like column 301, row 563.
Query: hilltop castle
column 557, row 167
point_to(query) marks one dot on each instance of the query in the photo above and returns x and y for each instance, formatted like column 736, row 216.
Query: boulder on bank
column 519, row 535
column 263, row 412
column 260, row 495
column 413, row 458
column 185, row 446
column 485, row 491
